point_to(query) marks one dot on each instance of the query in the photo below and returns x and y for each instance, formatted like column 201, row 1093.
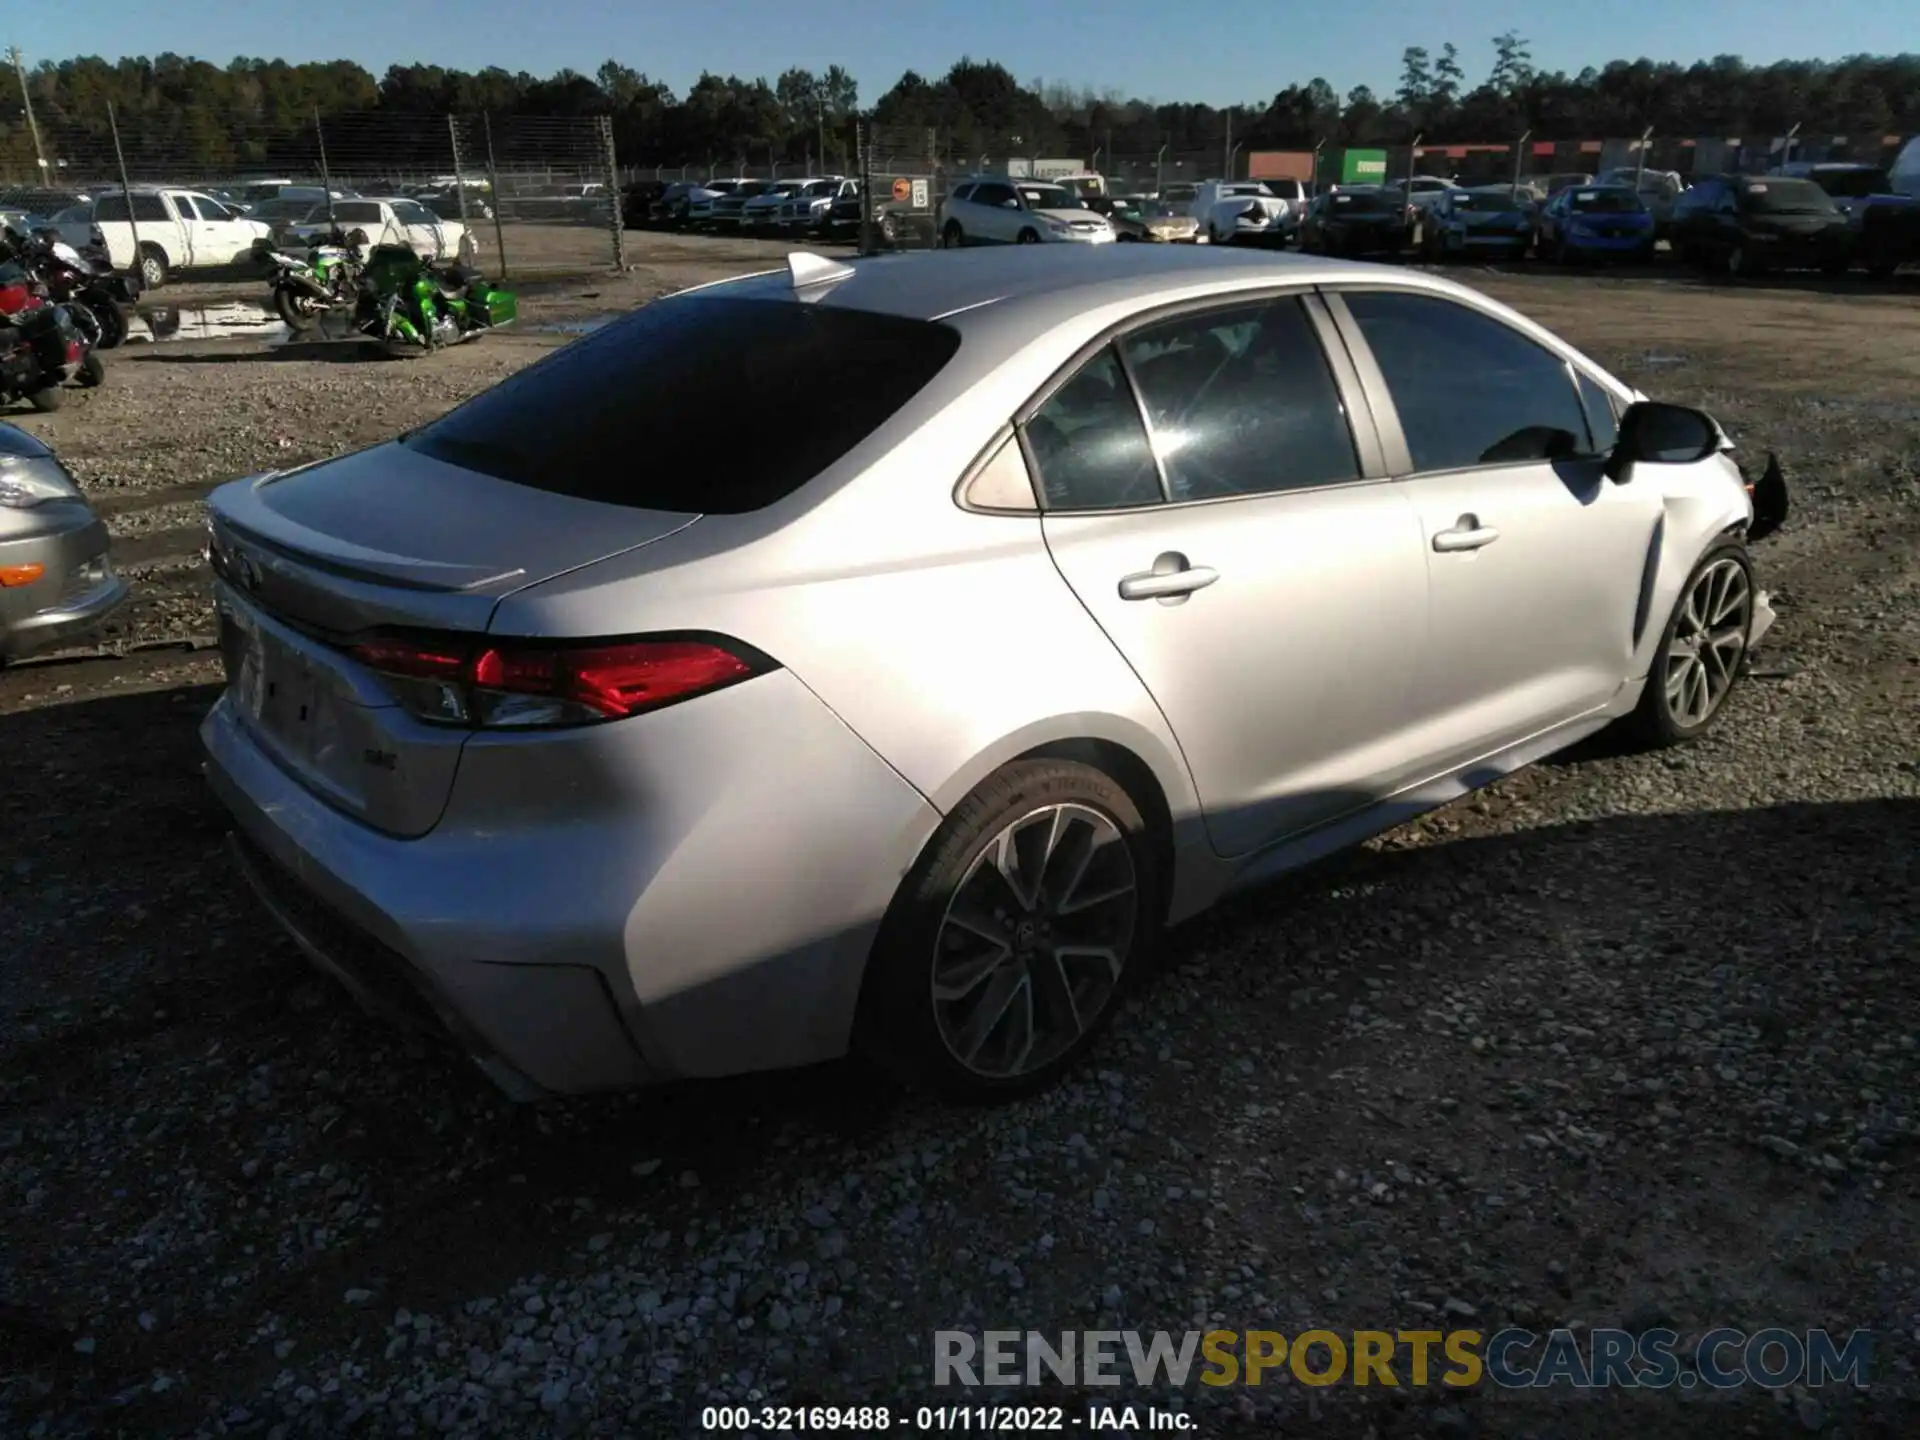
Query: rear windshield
column 1370, row 201
column 1496, row 200
column 627, row 415
column 1853, row 184
column 1615, row 201
column 1786, row 197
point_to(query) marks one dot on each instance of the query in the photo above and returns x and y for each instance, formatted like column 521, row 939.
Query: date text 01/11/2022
column 943, row 1419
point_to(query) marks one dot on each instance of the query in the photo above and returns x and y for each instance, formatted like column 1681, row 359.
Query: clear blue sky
column 1217, row 51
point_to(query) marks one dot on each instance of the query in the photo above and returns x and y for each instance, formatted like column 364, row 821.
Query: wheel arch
column 1692, row 521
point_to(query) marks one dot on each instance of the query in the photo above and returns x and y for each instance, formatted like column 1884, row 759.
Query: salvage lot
column 1624, row 1040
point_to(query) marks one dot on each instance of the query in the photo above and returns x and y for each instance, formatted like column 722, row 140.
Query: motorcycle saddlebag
column 496, row 306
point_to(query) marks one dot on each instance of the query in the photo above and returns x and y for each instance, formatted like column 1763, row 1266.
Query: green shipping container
column 1363, row 167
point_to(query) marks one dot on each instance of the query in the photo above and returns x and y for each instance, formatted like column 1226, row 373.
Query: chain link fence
column 533, row 194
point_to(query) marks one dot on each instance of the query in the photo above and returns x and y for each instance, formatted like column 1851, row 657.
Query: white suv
column 998, row 211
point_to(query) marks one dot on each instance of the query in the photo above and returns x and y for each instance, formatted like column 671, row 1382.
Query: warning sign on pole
column 919, row 194
column 902, row 189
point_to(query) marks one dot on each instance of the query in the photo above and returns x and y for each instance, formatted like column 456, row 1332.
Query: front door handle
column 1467, row 534
column 1170, row 581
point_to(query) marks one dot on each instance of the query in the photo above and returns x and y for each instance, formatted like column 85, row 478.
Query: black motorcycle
column 87, row 284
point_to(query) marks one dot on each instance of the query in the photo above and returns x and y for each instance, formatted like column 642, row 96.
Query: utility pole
column 1519, row 155
column 1227, row 147
column 33, row 126
column 1640, row 158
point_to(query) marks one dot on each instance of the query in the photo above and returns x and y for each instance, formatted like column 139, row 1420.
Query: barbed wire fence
column 537, row 194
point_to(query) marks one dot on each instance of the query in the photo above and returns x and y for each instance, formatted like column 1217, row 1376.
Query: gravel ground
column 1624, row 1040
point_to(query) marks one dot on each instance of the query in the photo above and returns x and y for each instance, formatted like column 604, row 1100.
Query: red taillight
column 528, row 684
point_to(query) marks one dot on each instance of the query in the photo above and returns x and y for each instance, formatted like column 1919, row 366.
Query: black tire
column 113, row 325
column 1738, row 264
column 92, row 372
column 1653, row 723
column 890, row 229
column 46, row 400
column 953, row 237
column 1028, row 236
column 287, row 304
column 153, row 266
column 897, row 1026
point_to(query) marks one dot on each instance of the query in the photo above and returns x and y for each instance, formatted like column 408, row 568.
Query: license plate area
column 276, row 688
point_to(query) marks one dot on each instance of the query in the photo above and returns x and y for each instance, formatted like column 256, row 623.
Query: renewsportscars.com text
column 1457, row 1359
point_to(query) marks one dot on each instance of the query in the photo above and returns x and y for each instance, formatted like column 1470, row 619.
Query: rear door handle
column 1467, row 534
column 1171, row 579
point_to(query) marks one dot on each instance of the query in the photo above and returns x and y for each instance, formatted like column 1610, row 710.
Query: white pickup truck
column 178, row 230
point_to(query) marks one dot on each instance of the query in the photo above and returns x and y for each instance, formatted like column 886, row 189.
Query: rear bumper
column 75, row 591
column 688, row 893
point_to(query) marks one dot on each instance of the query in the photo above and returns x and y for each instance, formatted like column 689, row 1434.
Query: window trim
column 1348, row 382
column 1007, row 435
column 1393, row 439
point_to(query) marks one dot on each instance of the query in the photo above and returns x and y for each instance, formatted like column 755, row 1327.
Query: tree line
column 217, row 119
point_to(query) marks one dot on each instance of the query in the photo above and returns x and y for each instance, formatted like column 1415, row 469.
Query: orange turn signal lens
column 13, row 576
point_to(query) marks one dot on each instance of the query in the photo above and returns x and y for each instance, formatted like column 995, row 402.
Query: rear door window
column 1242, row 402
column 1090, row 445
column 626, row 415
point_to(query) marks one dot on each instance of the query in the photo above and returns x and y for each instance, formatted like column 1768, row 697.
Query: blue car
column 1596, row 222
column 1493, row 220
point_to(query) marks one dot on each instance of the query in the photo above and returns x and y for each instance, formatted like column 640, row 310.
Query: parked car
column 1595, row 222
column 1085, row 183
column 892, row 223
column 179, row 230
column 637, row 203
column 701, row 209
column 1247, row 212
column 1747, row 225
column 994, row 210
column 389, row 220
column 1564, row 180
column 1491, row 220
column 728, row 208
column 1179, row 194
column 1357, row 220
column 283, row 215
column 1904, row 173
column 1134, row 217
column 1422, row 191
column 805, row 211
column 980, row 684
column 249, row 198
column 57, row 579
column 765, row 210
column 1885, row 224
column 1658, row 190
column 462, row 203
column 669, row 210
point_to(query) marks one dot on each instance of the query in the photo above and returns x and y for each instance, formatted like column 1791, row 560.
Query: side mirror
column 1660, row 434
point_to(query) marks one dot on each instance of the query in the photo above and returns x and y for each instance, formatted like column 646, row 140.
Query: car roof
column 1057, row 282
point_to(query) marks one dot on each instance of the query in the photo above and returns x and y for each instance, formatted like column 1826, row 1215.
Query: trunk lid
column 308, row 559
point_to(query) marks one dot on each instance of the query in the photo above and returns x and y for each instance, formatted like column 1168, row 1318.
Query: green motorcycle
column 414, row 307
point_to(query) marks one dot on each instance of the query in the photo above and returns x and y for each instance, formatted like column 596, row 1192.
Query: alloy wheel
column 1709, row 639
column 1033, row 944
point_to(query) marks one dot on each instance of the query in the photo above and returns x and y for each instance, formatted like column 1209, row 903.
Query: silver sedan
column 1073, row 589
